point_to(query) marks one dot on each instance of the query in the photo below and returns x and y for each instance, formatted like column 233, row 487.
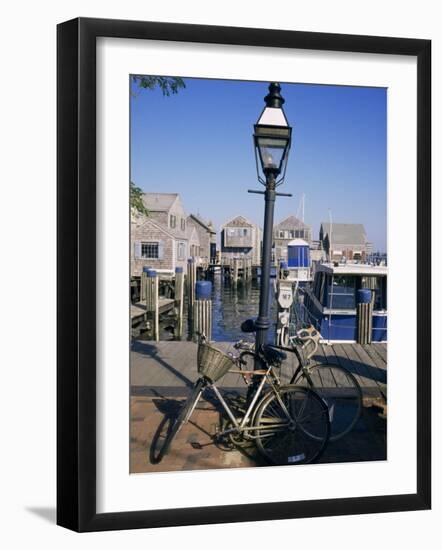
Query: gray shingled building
column 161, row 240
column 285, row 231
column 344, row 241
column 241, row 238
column 206, row 235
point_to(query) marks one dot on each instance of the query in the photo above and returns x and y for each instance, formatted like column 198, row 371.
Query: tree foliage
column 168, row 85
column 136, row 199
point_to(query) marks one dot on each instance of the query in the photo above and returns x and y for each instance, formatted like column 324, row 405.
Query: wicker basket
column 212, row 362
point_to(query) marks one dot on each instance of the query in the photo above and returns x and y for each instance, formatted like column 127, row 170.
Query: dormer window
column 172, row 221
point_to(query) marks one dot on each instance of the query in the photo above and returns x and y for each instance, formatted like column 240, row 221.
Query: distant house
column 287, row 230
column 241, row 237
column 194, row 241
column 317, row 253
column 160, row 240
column 207, row 238
column 344, row 241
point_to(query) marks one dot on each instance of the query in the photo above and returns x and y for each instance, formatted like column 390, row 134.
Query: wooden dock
column 138, row 310
column 169, row 368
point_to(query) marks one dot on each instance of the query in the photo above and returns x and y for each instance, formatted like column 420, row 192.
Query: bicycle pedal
column 196, row 445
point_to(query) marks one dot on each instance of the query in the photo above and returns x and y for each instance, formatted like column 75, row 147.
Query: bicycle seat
column 273, row 355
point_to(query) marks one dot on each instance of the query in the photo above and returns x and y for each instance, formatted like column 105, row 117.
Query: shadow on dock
column 152, row 351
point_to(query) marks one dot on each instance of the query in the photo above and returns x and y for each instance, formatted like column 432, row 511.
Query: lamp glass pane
column 271, row 151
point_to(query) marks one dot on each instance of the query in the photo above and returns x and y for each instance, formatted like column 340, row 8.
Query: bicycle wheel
column 183, row 416
column 285, row 422
column 341, row 392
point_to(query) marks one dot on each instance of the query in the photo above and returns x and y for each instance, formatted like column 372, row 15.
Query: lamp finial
column 274, row 98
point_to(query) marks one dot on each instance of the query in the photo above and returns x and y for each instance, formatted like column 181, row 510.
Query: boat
column 330, row 304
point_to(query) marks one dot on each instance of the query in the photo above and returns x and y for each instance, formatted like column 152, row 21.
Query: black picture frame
column 76, row 274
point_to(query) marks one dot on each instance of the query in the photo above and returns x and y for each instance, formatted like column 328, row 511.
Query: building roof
column 159, row 202
column 238, row 221
column 290, row 223
column 345, row 233
column 297, row 242
column 143, row 222
column 204, row 223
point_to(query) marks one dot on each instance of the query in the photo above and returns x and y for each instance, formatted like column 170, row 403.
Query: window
column 172, row 221
column 183, row 224
column 317, row 285
column 150, row 250
column 244, row 232
column 341, row 291
column 181, row 251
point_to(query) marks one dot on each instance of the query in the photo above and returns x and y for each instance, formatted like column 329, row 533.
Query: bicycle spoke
column 300, row 440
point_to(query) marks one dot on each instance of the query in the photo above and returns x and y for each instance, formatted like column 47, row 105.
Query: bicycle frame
column 241, row 425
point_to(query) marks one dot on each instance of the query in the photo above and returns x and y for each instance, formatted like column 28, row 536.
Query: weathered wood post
column 152, row 302
column 202, row 310
column 179, row 300
column 191, row 280
column 143, row 283
column 364, row 315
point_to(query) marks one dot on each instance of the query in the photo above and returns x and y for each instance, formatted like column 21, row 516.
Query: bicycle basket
column 212, row 362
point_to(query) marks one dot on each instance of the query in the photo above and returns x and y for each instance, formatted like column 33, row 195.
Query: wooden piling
column 152, row 302
column 202, row 318
column 365, row 323
column 179, row 300
column 202, row 310
column 143, row 286
column 191, row 281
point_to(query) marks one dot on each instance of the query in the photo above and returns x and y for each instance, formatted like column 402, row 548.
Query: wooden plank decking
column 169, row 368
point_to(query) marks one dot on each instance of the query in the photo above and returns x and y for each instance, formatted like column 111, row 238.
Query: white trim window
column 181, row 251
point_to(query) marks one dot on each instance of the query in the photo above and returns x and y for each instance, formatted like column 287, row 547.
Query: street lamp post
column 272, row 139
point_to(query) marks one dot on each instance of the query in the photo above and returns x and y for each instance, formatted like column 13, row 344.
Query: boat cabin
column 331, row 303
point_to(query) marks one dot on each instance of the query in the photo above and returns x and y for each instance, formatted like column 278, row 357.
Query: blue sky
column 199, row 143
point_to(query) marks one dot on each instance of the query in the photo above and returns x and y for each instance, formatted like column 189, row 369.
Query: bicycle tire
column 283, row 442
column 183, row 416
column 340, row 390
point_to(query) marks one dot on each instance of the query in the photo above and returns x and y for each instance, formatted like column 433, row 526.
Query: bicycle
column 337, row 386
column 288, row 424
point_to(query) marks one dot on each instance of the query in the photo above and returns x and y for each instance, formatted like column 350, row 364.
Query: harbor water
column 231, row 305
